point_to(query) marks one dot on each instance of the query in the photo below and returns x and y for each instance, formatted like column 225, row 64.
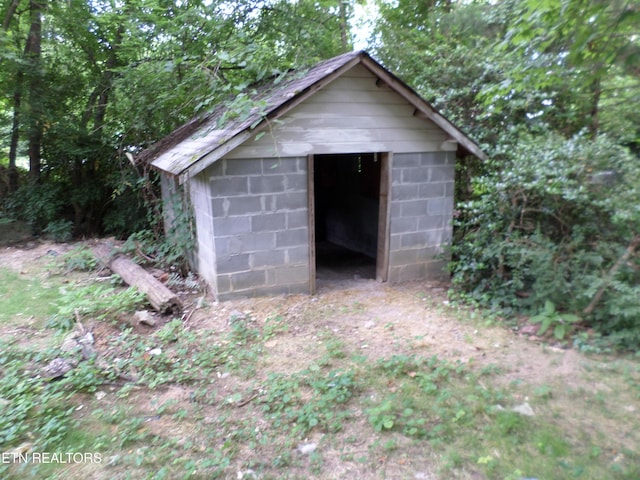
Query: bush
column 552, row 223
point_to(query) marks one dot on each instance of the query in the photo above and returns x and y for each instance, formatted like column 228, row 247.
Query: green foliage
column 548, row 318
column 323, row 408
column 37, row 204
column 548, row 226
column 59, row 230
column 79, row 259
column 98, row 301
column 35, row 410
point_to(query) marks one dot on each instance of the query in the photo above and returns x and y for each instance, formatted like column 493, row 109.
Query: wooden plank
column 302, row 149
column 358, row 121
column 382, row 255
column 358, row 71
column 377, row 97
column 312, row 224
column 341, row 109
column 352, row 84
column 424, row 107
column 349, row 135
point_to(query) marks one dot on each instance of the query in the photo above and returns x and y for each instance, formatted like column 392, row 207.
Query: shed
column 343, row 154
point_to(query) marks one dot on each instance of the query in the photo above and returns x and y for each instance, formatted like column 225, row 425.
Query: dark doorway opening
column 346, row 215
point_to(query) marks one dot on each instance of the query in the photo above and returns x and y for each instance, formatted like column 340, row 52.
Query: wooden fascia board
column 423, row 107
column 248, row 132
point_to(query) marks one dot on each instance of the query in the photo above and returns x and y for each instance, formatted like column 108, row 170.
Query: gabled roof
column 194, row 146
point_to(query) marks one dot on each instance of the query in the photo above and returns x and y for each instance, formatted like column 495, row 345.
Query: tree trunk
column 594, row 124
column 15, row 133
column 344, row 28
column 33, row 52
column 17, row 100
column 160, row 297
column 9, row 15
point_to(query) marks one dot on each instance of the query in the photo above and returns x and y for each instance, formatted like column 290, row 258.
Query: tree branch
column 607, row 280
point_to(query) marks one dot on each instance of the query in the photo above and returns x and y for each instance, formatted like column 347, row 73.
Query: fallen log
column 159, row 296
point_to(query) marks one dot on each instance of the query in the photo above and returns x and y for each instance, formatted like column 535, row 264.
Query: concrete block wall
column 259, row 213
column 421, row 209
column 201, row 204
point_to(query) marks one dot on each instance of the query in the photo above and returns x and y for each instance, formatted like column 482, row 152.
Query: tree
column 91, row 81
column 582, row 54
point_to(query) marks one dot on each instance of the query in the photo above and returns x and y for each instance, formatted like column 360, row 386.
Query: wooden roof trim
column 278, row 111
column 423, row 107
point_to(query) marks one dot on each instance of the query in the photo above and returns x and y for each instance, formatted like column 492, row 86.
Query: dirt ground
column 379, row 320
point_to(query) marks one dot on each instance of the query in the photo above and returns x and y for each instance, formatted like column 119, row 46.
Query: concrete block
column 274, row 166
column 403, row 224
column 223, row 284
column 292, row 275
column 428, row 254
column 396, row 176
column 433, row 158
column 292, row 238
column 402, row 257
column 449, row 189
column 233, row 264
column 432, row 190
column 271, row 258
column 408, row 273
column 297, row 219
column 219, row 207
column 291, row 201
column 432, row 222
column 450, row 158
column 403, row 160
column 440, row 206
column 296, row 182
column 244, row 205
column 298, row 255
column 268, row 222
column 402, row 192
column 228, row 186
column 435, row 237
column 414, row 208
column 396, row 209
column 394, row 242
column 444, row 173
column 255, row 242
column 415, row 175
column 227, row 246
column 266, row 184
column 414, row 240
column 214, row 170
column 228, row 226
column 243, row 166
column 268, row 203
column 248, row 280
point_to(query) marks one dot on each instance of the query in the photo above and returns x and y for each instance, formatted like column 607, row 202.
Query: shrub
column 552, row 223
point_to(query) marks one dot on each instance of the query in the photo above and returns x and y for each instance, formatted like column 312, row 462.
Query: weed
column 79, row 259
column 561, row 322
column 99, row 301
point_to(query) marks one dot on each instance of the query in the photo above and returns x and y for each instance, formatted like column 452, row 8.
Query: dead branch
column 611, row 273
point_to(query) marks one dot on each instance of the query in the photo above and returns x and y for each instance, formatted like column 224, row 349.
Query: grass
column 187, row 402
column 23, row 298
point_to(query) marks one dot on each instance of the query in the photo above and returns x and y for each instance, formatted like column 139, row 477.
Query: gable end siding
column 350, row 115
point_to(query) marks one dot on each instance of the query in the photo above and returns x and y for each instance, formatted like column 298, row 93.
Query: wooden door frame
column 311, row 205
column 384, row 209
column 384, row 199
